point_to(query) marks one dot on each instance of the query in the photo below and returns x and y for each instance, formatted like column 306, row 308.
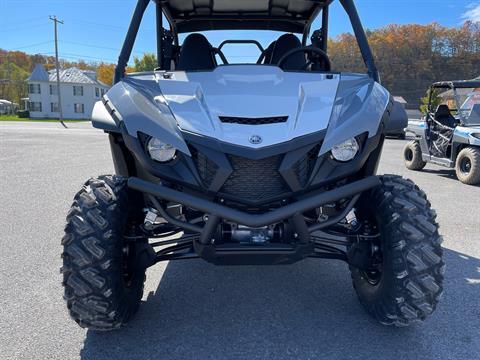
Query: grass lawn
column 16, row 118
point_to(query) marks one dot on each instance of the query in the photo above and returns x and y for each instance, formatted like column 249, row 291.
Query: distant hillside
column 412, row 57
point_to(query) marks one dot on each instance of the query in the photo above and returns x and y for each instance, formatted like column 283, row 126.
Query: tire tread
column 94, row 290
column 417, row 162
column 473, row 177
column 413, row 242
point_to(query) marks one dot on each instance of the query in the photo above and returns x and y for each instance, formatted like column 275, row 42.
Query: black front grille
column 254, row 180
column 304, row 166
column 206, row 167
column 253, row 121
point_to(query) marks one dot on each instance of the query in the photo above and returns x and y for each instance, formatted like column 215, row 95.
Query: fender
column 102, row 118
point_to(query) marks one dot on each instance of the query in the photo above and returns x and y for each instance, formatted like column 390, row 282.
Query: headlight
column 160, row 151
column 345, row 151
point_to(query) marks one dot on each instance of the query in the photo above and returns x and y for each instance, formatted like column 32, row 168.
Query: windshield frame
column 475, row 92
column 454, row 86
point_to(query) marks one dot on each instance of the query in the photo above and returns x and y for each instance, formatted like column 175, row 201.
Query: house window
column 79, row 108
column 78, row 91
column 35, row 106
column 97, row 92
column 53, row 90
column 34, row 89
column 103, row 92
column 54, row 107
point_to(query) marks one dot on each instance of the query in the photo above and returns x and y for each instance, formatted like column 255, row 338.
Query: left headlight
column 345, row 151
column 160, row 151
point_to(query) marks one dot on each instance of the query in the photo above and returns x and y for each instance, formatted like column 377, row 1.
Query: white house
column 80, row 90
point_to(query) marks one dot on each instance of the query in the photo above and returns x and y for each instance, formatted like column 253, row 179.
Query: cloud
column 472, row 13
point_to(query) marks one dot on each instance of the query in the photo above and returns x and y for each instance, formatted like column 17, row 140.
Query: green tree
column 147, row 63
column 435, row 101
column 13, row 87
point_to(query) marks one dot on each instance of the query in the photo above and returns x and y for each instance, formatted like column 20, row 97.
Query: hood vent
column 253, row 121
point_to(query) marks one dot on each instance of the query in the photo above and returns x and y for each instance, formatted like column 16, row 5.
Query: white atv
column 266, row 163
column 449, row 134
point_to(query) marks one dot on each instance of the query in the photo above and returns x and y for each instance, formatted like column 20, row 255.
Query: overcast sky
column 94, row 29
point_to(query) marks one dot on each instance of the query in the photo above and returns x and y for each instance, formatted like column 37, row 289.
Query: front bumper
column 254, row 220
column 300, row 248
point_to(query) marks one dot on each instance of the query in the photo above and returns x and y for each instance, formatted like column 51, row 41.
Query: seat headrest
column 283, row 45
column 196, row 54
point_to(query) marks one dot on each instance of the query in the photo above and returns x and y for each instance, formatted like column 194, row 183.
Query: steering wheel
column 316, row 57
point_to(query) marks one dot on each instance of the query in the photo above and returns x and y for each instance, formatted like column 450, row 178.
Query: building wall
column 69, row 100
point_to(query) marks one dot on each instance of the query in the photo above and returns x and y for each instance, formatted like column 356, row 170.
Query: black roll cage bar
column 165, row 38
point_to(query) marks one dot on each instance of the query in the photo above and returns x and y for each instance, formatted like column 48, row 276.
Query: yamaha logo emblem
column 255, row 139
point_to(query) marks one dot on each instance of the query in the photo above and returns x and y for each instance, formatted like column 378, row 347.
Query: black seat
column 267, row 54
column 196, row 54
column 444, row 116
column 282, row 46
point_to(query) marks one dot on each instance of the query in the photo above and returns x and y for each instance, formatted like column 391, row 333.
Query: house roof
column 38, row 74
column 281, row 15
column 72, row 75
column 6, row 102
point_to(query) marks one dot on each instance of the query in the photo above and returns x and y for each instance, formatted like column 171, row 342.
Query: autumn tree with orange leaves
column 412, row 57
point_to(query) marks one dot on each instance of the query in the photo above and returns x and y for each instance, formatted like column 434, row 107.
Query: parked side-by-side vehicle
column 267, row 163
column 449, row 134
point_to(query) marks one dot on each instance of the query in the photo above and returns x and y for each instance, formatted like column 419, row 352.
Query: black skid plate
column 266, row 254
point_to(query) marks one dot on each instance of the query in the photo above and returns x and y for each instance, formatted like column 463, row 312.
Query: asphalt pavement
column 194, row 310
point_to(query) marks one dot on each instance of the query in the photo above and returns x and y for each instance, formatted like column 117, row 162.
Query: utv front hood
column 168, row 105
column 199, row 100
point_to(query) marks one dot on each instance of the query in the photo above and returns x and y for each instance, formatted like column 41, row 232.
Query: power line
column 108, row 26
column 25, row 27
column 78, row 57
column 33, row 45
column 100, row 47
column 30, row 20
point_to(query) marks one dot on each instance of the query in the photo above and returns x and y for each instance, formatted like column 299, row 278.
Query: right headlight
column 160, row 151
column 345, row 151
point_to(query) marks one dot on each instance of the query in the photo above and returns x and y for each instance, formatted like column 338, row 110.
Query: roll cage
column 453, row 86
column 291, row 16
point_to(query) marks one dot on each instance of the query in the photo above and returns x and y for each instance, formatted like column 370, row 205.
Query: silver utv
column 449, row 133
column 267, row 163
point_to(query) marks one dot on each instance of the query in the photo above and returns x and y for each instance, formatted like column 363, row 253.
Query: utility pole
column 57, row 65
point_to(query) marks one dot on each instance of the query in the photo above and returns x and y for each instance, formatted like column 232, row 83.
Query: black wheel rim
column 373, row 277
column 409, row 155
column 465, row 165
